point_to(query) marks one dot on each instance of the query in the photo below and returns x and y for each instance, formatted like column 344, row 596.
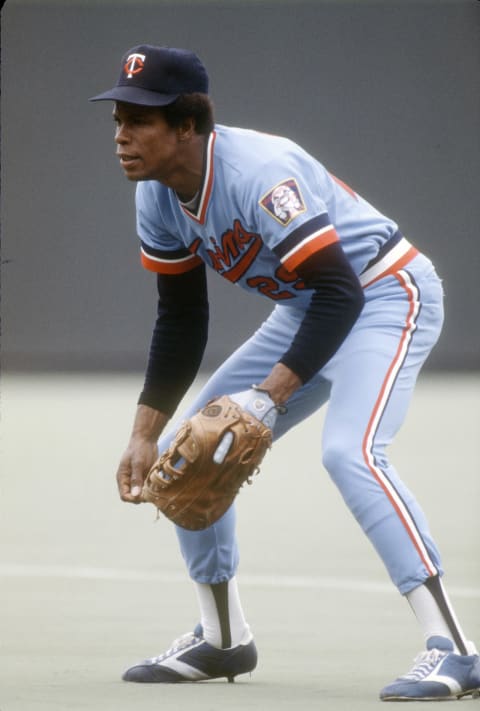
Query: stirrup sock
column 435, row 613
column 221, row 614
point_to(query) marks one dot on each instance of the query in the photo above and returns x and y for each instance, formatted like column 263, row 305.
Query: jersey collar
column 200, row 212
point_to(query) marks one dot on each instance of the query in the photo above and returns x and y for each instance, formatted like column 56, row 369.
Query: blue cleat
column 190, row 658
column 437, row 675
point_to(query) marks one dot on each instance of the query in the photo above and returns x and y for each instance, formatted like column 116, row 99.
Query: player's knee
column 341, row 458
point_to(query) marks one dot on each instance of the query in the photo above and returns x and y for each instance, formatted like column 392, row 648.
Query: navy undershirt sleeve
column 178, row 340
column 335, row 306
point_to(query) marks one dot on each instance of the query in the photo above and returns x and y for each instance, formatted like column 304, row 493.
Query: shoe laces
column 424, row 663
column 186, row 640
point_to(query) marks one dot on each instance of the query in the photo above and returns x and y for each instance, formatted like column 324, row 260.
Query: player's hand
column 259, row 404
column 134, row 466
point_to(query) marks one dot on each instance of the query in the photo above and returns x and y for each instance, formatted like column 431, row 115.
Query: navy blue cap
column 156, row 76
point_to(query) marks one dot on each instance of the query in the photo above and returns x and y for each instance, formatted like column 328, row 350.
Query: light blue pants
column 368, row 385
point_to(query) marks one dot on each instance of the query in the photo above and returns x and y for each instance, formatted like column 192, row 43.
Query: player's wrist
column 279, row 406
column 280, row 383
column 258, row 403
column 148, row 424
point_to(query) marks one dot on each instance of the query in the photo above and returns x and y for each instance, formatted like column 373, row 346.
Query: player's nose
column 121, row 135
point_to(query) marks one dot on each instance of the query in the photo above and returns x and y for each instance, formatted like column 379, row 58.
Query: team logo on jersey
column 284, row 202
column 134, row 64
column 236, row 252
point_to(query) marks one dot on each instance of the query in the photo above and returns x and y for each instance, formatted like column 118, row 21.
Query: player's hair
column 196, row 106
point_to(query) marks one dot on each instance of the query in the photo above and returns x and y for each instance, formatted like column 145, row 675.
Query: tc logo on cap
column 134, row 64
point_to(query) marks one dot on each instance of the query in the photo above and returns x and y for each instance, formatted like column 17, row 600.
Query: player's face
column 146, row 145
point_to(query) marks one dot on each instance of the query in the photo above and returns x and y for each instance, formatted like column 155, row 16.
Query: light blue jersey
column 265, row 207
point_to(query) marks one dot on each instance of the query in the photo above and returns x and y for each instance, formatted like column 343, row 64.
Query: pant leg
column 373, row 376
column 212, row 555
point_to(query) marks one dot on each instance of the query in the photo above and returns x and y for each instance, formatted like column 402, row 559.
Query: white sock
column 221, row 614
column 432, row 620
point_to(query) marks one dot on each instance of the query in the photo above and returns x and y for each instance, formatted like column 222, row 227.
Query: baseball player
column 356, row 309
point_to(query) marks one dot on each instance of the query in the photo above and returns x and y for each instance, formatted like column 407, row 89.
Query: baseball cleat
column 437, row 675
column 190, row 658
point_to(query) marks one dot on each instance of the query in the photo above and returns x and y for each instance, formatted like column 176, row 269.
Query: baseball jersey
column 265, row 207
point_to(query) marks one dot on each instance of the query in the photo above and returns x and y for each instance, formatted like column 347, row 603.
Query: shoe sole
column 172, row 677
column 230, row 679
column 474, row 693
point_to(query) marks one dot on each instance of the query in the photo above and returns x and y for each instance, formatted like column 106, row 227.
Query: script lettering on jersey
column 236, row 252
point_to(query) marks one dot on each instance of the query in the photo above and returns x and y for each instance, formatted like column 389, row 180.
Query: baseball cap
column 156, row 76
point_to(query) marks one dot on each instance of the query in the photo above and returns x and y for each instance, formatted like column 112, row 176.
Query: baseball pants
column 368, row 385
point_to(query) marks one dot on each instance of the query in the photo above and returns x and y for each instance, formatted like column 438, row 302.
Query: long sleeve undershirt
column 178, row 340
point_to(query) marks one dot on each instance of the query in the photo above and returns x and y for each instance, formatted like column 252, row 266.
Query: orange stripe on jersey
column 169, row 266
column 382, row 400
column 310, row 245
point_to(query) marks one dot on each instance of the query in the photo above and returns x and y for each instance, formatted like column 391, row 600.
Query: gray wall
column 385, row 93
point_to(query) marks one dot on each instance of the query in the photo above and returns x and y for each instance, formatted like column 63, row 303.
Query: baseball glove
column 188, row 483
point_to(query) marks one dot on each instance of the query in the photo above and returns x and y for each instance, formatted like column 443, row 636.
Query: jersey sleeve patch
column 167, row 262
column 284, row 202
column 309, row 238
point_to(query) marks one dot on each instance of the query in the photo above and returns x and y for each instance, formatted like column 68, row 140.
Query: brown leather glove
column 187, row 484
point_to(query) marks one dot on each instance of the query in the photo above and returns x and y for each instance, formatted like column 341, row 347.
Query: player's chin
column 132, row 170
column 135, row 177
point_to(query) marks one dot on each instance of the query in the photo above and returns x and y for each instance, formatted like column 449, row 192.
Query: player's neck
column 190, row 176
